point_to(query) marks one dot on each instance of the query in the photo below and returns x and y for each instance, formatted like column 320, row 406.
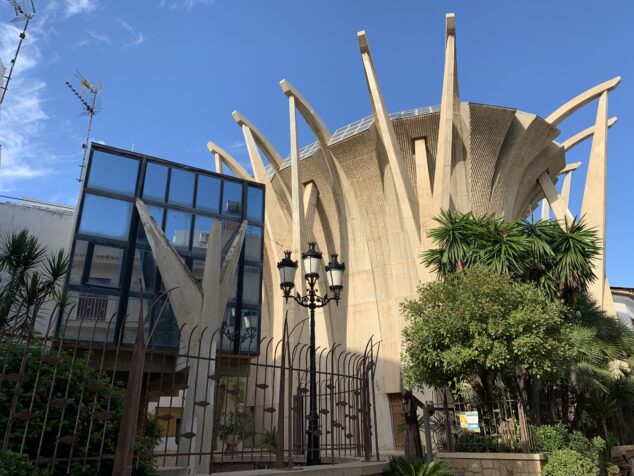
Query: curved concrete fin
column 570, row 167
column 581, row 100
column 403, row 183
column 594, row 195
column 232, row 163
column 271, row 153
column 579, row 137
column 186, row 298
column 276, row 184
column 308, row 113
column 297, row 197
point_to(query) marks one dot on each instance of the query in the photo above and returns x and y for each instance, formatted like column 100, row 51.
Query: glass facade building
column 112, row 261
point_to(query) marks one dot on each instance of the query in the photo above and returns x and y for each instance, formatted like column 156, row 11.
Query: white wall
column 52, row 225
column 624, row 305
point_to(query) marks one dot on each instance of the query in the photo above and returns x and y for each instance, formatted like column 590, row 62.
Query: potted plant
column 235, row 429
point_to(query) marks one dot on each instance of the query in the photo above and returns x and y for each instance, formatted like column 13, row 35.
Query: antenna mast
column 24, row 11
column 90, row 99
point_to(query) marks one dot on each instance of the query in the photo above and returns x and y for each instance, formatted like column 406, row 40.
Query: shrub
column 567, row 462
column 14, row 464
column 579, row 443
column 400, row 466
column 479, row 443
column 549, row 438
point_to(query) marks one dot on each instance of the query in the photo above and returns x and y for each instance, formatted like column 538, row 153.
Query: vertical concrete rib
column 593, row 206
column 405, row 190
column 297, row 195
column 450, row 177
column 561, row 212
column 565, row 188
column 545, row 210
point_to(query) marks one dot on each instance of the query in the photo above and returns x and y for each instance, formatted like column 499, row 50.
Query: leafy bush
column 468, row 442
column 567, row 462
column 106, row 397
column 14, row 464
column 400, row 466
column 579, row 443
column 549, row 438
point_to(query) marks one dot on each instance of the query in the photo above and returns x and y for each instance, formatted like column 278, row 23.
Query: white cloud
column 184, row 4
column 136, row 37
column 94, row 39
column 22, row 119
column 75, row 7
column 236, row 145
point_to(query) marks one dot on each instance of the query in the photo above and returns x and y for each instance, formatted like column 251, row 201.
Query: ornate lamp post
column 334, row 272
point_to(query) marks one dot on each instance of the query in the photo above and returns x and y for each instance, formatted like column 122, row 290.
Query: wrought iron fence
column 72, row 404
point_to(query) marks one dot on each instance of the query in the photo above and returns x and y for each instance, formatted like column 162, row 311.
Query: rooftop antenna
column 90, row 99
column 24, row 11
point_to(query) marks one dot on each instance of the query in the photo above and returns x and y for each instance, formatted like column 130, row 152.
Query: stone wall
column 495, row 464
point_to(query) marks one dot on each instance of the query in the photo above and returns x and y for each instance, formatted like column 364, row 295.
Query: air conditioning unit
column 203, row 237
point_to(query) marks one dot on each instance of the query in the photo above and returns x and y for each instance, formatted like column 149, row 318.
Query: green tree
column 32, row 278
column 479, row 326
column 558, row 260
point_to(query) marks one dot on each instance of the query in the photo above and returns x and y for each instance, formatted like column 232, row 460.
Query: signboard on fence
column 469, row 421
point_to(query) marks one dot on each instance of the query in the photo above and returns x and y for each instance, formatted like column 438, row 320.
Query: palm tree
column 558, row 260
column 30, row 278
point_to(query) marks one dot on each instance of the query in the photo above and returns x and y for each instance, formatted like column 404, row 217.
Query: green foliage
column 61, row 381
column 14, row 464
column 558, row 260
column 476, row 322
column 549, row 438
column 55, row 381
column 469, row 442
column 269, row 439
column 33, row 278
column 236, row 423
column 400, row 466
column 567, row 462
column 144, row 444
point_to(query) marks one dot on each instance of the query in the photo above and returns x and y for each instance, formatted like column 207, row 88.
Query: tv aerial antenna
column 24, row 11
column 89, row 95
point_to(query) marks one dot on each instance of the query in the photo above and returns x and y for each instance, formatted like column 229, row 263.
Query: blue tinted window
column 105, row 217
column 155, row 182
column 105, row 267
column 208, row 194
column 232, row 198
column 113, row 173
column 253, row 243
column 251, row 284
column 181, row 188
column 255, row 202
column 177, row 228
column 202, row 228
column 249, row 330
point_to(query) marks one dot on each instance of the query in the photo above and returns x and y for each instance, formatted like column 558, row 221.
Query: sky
column 174, row 70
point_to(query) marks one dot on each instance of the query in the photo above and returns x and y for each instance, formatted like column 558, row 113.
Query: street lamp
column 334, row 272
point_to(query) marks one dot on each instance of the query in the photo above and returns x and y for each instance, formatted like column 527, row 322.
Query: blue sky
column 174, row 70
